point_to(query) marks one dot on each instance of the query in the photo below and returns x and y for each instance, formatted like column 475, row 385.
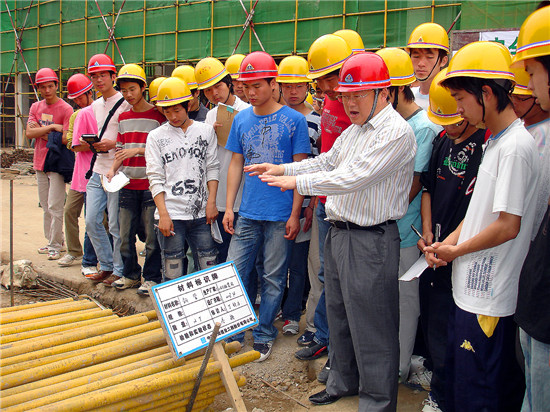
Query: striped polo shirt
column 133, row 129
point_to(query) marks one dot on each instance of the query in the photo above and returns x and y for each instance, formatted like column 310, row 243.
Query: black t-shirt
column 199, row 115
column 451, row 177
column 533, row 310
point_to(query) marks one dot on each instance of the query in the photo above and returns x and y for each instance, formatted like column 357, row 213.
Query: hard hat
column 363, row 71
column 399, row 65
column 522, row 80
column 131, row 72
column 208, row 72
column 77, row 85
column 326, row 54
column 309, row 98
column 154, row 87
column 443, row 109
column 293, row 69
column 353, row 39
column 173, row 91
column 534, row 36
column 481, row 59
column 233, row 64
column 257, row 65
column 45, row 75
column 187, row 74
column 101, row 63
column 429, row 36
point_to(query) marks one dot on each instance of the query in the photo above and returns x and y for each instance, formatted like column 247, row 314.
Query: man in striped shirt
column 367, row 176
column 135, row 200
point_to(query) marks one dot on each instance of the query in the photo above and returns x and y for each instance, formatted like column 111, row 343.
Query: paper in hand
column 117, row 182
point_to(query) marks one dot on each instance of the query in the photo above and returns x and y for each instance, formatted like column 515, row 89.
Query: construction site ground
column 293, row 379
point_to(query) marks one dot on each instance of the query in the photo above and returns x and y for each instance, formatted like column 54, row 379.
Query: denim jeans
column 136, row 207
column 320, row 319
column 97, row 200
column 223, row 248
column 89, row 259
column 537, row 373
column 197, row 234
column 248, row 237
column 297, row 274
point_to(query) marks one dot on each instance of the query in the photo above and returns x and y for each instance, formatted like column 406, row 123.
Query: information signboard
column 188, row 307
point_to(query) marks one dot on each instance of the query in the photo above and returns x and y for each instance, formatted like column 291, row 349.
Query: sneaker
column 313, row 351
column 125, row 283
column 44, row 250
column 430, row 405
column 264, row 349
column 143, row 290
column 420, row 380
column 68, row 260
column 53, row 254
column 291, row 327
column 323, row 374
column 88, row 270
column 306, row 338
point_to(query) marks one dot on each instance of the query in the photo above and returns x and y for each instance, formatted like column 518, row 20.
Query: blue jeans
column 320, row 319
column 97, row 200
column 248, row 237
column 223, row 248
column 537, row 373
column 89, row 259
column 297, row 274
column 197, row 234
column 136, row 207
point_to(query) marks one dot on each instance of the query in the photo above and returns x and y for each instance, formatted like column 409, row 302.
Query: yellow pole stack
column 80, row 357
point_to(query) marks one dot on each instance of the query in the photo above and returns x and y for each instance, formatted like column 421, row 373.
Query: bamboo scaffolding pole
column 55, row 365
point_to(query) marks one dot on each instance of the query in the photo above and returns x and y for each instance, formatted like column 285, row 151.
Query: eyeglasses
column 344, row 98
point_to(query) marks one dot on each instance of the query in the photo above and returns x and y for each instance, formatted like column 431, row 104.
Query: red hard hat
column 101, row 63
column 45, row 75
column 363, row 71
column 257, row 65
column 77, row 85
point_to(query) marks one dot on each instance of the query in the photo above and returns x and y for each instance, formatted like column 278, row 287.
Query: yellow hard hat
column 187, row 74
column 293, row 69
column 481, row 59
column 154, row 87
column 443, row 110
column 534, row 36
column 173, row 91
column 353, row 39
column 309, row 98
column 399, row 65
column 233, row 64
column 326, row 54
column 429, row 36
column 208, row 72
column 131, row 72
column 522, row 80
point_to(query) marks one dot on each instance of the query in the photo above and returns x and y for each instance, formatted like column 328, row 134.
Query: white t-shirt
column 540, row 132
column 224, row 156
column 486, row 282
column 420, row 99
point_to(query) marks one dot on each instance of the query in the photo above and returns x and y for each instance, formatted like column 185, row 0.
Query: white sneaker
column 53, row 254
column 430, row 405
column 88, row 270
column 264, row 349
column 68, row 260
column 291, row 327
column 44, row 250
column 143, row 290
column 420, row 380
column 125, row 283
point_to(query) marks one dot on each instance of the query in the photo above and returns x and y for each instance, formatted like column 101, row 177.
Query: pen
column 171, row 232
column 415, row 230
column 437, row 234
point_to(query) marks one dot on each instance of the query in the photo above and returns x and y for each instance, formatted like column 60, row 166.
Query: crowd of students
column 317, row 186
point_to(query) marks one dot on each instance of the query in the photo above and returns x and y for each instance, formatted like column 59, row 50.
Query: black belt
column 352, row 226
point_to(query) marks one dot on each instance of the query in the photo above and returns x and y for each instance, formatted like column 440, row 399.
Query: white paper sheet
column 117, row 182
column 415, row 270
column 215, row 231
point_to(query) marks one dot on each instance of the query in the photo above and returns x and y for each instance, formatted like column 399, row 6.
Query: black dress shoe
column 323, row 398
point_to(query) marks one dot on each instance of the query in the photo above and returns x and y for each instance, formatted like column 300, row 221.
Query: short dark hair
column 407, row 92
column 473, row 85
column 228, row 81
column 124, row 80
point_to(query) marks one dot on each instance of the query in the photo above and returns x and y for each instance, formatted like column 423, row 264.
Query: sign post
column 190, row 307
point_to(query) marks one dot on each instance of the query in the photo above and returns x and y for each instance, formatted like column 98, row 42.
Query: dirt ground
column 295, row 380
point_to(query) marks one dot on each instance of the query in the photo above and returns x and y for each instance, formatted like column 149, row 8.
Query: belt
column 352, row 226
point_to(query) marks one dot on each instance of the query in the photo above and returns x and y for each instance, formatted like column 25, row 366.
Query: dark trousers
column 483, row 373
column 361, row 272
